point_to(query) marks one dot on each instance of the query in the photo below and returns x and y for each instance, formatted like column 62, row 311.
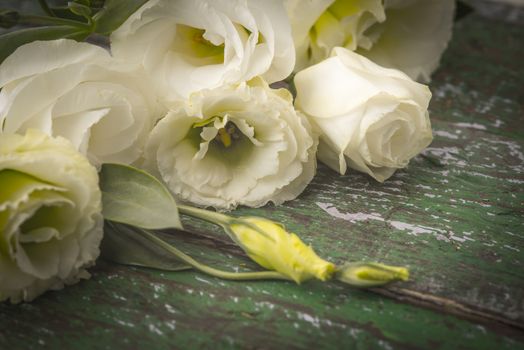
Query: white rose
column 371, row 118
column 413, row 37
column 50, row 215
column 237, row 144
column 188, row 45
column 320, row 25
column 77, row 91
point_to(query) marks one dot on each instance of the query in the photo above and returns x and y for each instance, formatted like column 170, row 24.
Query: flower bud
column 272, row 247
column 370, row 274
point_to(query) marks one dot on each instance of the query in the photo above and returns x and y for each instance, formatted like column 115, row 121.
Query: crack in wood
column 448, row 306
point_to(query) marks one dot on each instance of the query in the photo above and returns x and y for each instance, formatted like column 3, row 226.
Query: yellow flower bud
column 371, row 274
column 272, row 247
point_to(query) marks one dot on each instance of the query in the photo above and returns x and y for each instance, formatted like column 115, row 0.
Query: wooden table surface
column 454, row 217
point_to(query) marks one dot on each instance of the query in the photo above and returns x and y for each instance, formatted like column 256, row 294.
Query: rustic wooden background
column 454, row 216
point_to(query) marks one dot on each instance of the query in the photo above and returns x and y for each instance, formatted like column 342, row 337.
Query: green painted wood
column 131, row 308
column 455, row 217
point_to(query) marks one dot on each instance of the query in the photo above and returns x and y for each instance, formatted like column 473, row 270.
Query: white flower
column 409, row 35
column 413, row 37
column 371, row 118
column 50, row 215
column 76, row 90
column 320, row 25
column 237, row 144
column 189, row 45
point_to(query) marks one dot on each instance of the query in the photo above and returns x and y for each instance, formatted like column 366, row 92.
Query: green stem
column 223, row 220
column 209, row 270
column 46, row 8
column 207, row 215
column 45, row 20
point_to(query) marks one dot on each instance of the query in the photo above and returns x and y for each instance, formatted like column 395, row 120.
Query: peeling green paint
column 455, row 217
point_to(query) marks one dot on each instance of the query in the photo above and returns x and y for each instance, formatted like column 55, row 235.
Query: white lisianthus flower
column 189, row 45
column 371, row 118
column 413, row 37
column 320, row 25
column 237, row 144
column 409, row 35
column 50, row 215
column 76, row 90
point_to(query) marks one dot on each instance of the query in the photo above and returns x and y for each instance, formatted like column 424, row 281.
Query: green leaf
column 65, row 12
column 80, row 9
column 132, row 196
column 114, row 13
column 11, row 41
column 8, row 18
column 124, row 245
column 81, row 2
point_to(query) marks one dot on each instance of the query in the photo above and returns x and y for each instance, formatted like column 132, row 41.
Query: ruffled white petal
column 188, row 45
column 270, row 155
column 105, row 108
column 44, row 56
column 370, row 118
column 320, row 25
column 414, row 36
column 409, row 35
column 51, row 215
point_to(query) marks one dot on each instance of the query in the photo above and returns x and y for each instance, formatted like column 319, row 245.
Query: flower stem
column 207, row 215
column 46, row 8
column 221, row 219
column 46, row 20
column 238, row 276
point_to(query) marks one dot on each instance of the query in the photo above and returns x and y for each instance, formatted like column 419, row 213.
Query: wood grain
column 455, row 217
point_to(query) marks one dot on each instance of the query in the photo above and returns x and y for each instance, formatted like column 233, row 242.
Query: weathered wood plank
column 135, row 308
column 455, row 217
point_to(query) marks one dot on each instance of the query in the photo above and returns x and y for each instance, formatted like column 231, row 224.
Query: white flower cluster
column 184, row 93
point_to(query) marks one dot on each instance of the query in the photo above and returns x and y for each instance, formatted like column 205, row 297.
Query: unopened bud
column 272, row 247
column 370, row 274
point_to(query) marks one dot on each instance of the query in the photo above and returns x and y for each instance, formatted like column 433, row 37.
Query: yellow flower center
column 191, row 44
column 224, row 137
column 227, row 134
